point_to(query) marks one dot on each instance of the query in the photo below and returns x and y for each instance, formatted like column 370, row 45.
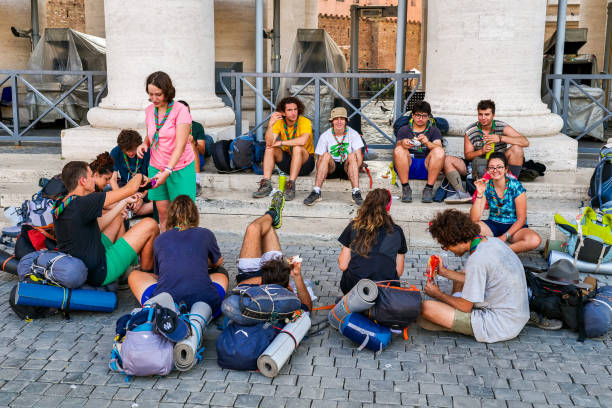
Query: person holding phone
column 172, row 166
column 288, row 145
column 507, row 201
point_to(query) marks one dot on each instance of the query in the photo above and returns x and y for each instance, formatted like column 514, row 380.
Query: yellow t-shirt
column 303, row 126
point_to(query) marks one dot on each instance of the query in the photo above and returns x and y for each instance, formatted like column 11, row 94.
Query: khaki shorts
column 462, row 323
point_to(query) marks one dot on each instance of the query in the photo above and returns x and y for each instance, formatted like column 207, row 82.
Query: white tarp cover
column 583, row 112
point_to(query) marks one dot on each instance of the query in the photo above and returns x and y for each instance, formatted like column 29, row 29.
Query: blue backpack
column 600, row 187
column 598, row 313
column 242, row 153
column 239, row 347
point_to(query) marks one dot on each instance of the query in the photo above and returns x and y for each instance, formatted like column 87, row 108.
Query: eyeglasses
column 496, row 168
column 421, row 115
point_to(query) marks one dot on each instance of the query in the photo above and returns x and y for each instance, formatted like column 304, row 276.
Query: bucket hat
column 338, row 112
column 563, row 272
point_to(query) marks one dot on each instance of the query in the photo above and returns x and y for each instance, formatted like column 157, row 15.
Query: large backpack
column 250, row 305
column 598, row 313
column 600, row 187
column 396, row 307
column 53, row 267
column 37, row 210
column 239, row 347
column 242, row 153
column 138, row 349
column 32, row 239
column 440, row 123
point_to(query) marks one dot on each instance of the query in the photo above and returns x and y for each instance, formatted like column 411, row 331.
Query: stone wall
column 376, row 40
column 66, row 13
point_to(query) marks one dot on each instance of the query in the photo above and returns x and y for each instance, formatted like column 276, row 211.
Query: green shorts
column 179, row 182
column 462, row 323
column 119, row 257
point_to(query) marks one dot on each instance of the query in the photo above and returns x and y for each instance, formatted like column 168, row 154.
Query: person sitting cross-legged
column 489, row 300
column 85, row 233
column 417, row 140
column 188, row 262
column 288, row 145
column 338, row 156
column 261, row 260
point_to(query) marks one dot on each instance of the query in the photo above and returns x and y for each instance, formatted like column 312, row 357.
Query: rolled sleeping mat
column 365, row 332
column 8, row 262
column 185, row 351
column 31, row 294
column 586, row 267
column 278, row 352
column 359, row 299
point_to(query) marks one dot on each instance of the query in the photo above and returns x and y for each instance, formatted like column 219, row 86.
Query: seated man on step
column 481, row 138
column 95, row 241
column 261, row 260
column 419, row 140
column 338, row 156
column 489, row 300
column 288, row 145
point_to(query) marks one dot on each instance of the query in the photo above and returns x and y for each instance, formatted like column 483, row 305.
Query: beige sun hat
column 338, row 112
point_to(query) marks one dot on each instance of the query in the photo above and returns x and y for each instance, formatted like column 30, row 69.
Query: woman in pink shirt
column 168, row 126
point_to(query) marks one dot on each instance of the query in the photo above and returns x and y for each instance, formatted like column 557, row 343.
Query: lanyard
column 61, row 204
column 495, row 200
column 127, row 164
column 340, row 149
column 158, row 126
column 490, row 133
column 411, row 122
column 474, row 243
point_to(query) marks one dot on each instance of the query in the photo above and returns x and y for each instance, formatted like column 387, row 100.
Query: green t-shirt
column 197, row 131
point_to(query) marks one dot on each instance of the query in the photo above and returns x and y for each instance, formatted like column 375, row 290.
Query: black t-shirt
column 380, row 263
column 406, row 132
column 78, row 234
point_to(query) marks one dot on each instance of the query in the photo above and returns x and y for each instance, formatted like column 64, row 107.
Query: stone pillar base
column 558, row 152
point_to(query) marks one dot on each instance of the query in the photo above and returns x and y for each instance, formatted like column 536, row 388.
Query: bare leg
column 484, row 229
column 402, row 160
column 438, row 313
column 139, row 281
column 515, row 156
column 453, row 163
column 162, row 210
column 525, row 240
column 434, row 163
column 259, row 237
column 352, row 165
column 115, row 229
column 140, row 237
column 272, row 155
column 145, row 209
column 196, row 153
column 325, row 166
column 220, row 279
column 299, row 155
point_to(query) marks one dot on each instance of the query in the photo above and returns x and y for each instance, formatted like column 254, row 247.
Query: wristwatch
column 508, row 237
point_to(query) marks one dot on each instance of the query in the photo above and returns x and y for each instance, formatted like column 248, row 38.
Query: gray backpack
column 139, row 350
column 53, row 267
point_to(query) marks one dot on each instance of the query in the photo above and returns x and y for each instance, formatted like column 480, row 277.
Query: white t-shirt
column 495, row 283
column 327, row 143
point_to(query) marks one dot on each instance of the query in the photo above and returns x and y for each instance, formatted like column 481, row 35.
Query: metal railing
column 562, row 106
column 318, row 80
column 16, row 77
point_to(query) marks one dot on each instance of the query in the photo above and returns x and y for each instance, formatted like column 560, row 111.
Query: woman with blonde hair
column 373, row 246
column 187, row 261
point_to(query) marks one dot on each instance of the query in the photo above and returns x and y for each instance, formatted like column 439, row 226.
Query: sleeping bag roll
column 365, row 332
column 8, row 262
column 31, row 294
column 278, row 352
column 359, row 299
column 186, row 351
column 587, row 267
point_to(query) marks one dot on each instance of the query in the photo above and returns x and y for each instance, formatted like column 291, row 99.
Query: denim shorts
column 500, row 228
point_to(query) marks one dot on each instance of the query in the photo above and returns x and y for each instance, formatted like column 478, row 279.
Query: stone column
column 493, row 50
column 144, row 36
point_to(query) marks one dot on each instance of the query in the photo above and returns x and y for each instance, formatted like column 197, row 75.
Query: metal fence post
column 564, row 107
column 238, row 105
column 90, row 90
column 317, row 112
column 15, row 103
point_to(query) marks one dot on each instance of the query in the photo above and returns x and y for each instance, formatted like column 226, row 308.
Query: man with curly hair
column 288, row 145
column 489, row 300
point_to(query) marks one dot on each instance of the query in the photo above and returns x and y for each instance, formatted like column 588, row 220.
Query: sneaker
column 289, row 190
column 198, row 189
column 459, row 197
column 406, row 194
column 357, row 197
column 264, row 190
column 544, row 323
column 427, row 195
column 312, row 198
column 277, row 204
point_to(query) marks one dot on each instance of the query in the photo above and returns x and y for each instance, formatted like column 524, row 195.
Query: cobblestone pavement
column 57, row 362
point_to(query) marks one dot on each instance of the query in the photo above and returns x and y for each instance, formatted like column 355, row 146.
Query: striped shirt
column 476, row 136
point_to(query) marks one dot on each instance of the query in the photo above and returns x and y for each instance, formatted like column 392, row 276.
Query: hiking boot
column 289, row 190
column 198, row 189
column 357, row 197
column 544, row 323
column 406, row 194
column 276, row 205
column 264, row 190
column 459, row 197
column 427, row 195
column 312, row 198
